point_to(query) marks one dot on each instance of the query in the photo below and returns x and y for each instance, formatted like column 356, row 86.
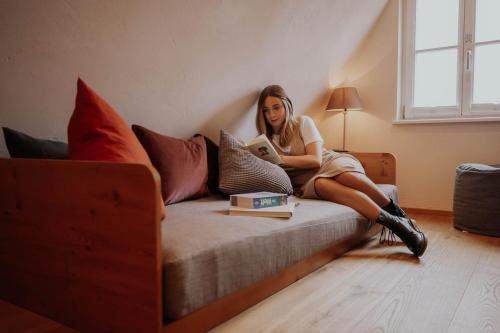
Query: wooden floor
column 454, row 287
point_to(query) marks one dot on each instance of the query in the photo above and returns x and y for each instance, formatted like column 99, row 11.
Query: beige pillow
column 242, row 172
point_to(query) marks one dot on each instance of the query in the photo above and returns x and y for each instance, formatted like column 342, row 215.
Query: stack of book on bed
column 261, row 204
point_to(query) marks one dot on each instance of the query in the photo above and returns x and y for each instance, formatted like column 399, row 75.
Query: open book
column 262, row 147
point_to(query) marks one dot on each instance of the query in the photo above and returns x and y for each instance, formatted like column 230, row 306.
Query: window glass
column 486, row 88
column 487, row 20
column 436, row 78
column 436, row 23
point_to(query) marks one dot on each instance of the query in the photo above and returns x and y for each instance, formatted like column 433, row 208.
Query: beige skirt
column 333, row 164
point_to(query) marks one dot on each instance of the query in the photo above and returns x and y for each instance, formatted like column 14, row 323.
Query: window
column 450, row 59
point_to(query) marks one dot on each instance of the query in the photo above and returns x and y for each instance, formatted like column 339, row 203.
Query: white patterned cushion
column 242, row 172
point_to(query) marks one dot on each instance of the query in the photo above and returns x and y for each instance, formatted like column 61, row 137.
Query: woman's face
column 274, row 112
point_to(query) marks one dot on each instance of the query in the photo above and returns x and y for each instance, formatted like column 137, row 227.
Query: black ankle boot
column 394, row 209
column 405, row 229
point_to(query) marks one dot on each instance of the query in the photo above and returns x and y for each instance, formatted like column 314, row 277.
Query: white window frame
column 464, row 110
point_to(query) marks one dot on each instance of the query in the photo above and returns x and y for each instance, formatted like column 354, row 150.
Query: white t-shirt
column 308, row 131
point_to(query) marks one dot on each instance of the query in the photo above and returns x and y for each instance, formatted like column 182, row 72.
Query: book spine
column 269, row 202
column 255, row 203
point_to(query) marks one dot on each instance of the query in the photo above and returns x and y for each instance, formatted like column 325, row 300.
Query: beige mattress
column 208, row 254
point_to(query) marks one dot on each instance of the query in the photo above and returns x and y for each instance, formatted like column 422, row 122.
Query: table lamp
column 344, row 99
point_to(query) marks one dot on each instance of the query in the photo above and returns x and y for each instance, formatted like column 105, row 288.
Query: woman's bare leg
column 364, row 184
column 331, row 190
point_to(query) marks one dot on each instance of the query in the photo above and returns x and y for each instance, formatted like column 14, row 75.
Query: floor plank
column 425, row 299
column 480, row 306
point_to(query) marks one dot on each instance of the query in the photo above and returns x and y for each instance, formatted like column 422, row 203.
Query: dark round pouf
column 476, row 202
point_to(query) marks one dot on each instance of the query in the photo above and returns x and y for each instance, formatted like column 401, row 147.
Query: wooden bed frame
column 80, row 244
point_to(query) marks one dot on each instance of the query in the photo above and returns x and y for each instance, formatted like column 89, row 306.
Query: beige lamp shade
column 344, row 99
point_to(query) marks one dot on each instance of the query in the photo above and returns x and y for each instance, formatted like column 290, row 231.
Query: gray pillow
column 21, row 145
column 242, row 172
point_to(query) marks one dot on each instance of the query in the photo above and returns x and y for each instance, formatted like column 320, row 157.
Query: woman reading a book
column 317, row 173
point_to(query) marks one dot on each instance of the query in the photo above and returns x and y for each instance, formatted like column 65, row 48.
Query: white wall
column 181, row 67
column 427, row 154
column 178, row 67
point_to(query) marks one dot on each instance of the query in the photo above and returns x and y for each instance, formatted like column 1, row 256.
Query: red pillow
column 182, row 164
column 97, row 133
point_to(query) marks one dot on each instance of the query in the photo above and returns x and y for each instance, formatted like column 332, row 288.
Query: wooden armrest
column 80, row 243
column 379, row 167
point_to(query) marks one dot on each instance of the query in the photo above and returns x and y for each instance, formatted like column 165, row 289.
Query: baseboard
column 434, row 212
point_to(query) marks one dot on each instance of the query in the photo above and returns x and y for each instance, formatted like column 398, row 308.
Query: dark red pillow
column 182, row 164
column 96, row 132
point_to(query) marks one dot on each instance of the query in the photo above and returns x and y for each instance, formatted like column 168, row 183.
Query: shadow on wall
column 237, row 116
column 324, row 120
column 317, row 109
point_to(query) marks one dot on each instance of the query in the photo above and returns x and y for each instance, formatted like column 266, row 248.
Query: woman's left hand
column 283, row 159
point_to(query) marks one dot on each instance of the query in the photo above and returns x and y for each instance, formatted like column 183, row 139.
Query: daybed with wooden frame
column 80, row 243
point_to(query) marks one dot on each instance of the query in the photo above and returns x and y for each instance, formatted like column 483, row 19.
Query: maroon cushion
column 182, row 164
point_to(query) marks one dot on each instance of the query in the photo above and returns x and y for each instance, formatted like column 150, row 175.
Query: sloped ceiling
column 177, row 67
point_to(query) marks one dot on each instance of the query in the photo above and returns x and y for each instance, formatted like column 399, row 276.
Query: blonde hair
column 288, row 128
